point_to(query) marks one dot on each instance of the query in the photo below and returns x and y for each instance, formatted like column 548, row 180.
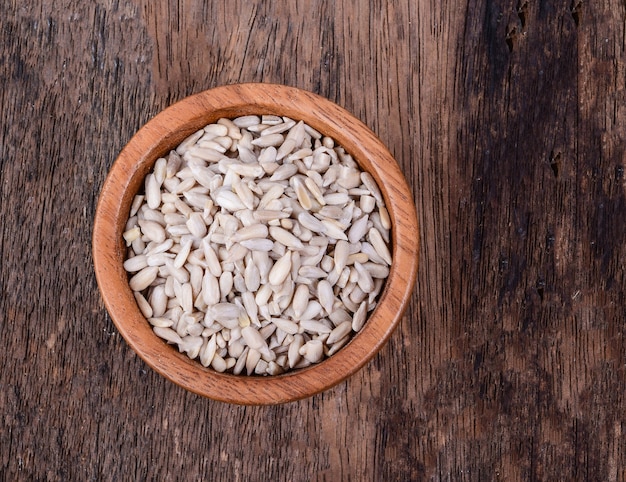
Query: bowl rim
column 165, row 131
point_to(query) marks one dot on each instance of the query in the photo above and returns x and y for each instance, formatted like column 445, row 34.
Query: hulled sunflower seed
column 257, row 244
column 143, row 278
column 280, row 270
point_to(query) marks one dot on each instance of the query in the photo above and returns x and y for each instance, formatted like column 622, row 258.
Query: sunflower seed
column 143, row 278
column 189, row 141
column 258, row 244
column 167, row 334
column 284, row 171
column 365, row 281
column 286, row 325
column 285, row 237
column 280, row 270
column 144, row 306
column 249, row 232
column 379, row 245
column 325, row 295
column 136, row 263
column 333, row 230
column 152, row 230
column 312, row 350
column 247, row 121
column 158, row 301
column 314, row 326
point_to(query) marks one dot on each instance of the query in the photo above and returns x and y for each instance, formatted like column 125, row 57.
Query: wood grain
column 507, row 120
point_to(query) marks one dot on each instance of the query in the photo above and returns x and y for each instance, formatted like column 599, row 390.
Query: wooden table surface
column 507, row 119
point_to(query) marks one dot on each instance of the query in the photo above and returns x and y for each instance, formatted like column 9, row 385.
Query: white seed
column 358, row 229
column 235, row 253
column 152, row 230
column 189, row 141
column 144, row 306
column 280, row 270
column 301, row 193
column 263, row 258
column 246, row 121
column 314, row 188
column 233, row 130
column 218, row 363
column 160, row 322
column 312, row 350
column 379, row 245
column 252, row 277
column 229, row 201
column 364, row 280
column 372, row 187
column 143, row 278
column 349, row 177
column 285, row 237
column 186, row 301
column 181, row 257
column 333, row 230
column 210, row 289
column 315, row 326
column 359, row 258
column 207, row 352
column 312, row 272
column 216, row 130
column 158, row 301
column 286, row 325
column 340, row 255
column 135, row 263
column 367, row 203
column 137, row 203
column 249, row 232
column 285, row 149
column 278, row 128
column 274, row 192
column 300, row 300
column 311, row 222
column 253, row 338
column 325, row 295
column 247, row 170
column 376, row 270
column 293, row 354
column 338, row 345
column 225, row 283
column 202, row 176
column 167, row 334
column 224, row 311
column 258, row 244
column 285, row 171
column 338, row 198
column 213, row 263
column 358, row 320
column 339, row 316
column 153, row 191
column 254, row 356
column 339, row 332
column 269, row 140
column 241, row 361
column 313, row 310
column 385, row 220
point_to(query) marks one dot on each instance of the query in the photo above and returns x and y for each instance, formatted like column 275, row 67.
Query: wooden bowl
column 164, row 132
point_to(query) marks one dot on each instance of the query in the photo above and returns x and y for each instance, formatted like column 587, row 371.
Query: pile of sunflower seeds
column 257, row 246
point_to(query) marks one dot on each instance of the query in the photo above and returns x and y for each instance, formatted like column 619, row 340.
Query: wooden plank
column 507, row 120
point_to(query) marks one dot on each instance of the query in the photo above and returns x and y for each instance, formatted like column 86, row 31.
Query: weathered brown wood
column 507, row 120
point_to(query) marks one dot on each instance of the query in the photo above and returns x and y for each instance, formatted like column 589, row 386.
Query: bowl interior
column 163, row 133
